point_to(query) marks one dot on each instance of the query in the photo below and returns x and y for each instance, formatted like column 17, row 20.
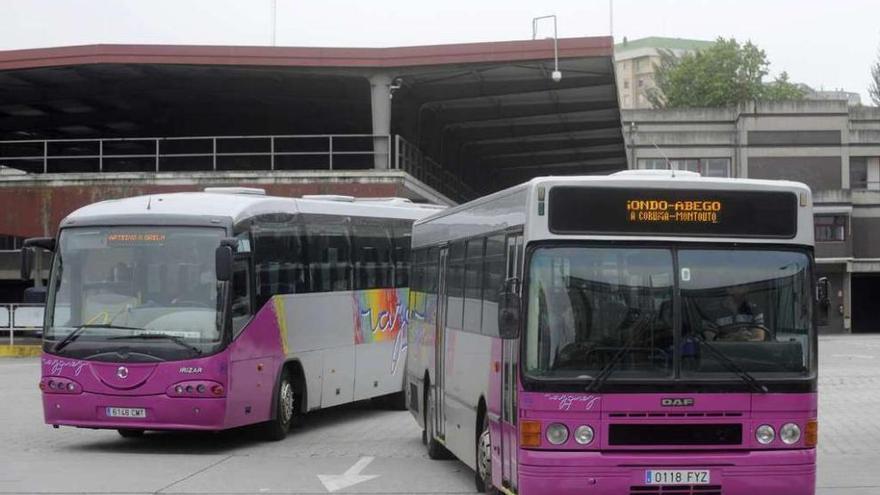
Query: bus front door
column 510, row 358
column 440, row 350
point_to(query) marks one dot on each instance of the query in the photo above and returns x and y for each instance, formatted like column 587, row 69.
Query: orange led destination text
column 659, row 210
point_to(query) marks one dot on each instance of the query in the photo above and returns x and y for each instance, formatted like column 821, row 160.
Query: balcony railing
column 26, row 320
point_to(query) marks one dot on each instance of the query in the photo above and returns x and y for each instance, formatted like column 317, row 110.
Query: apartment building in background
column 635, row 61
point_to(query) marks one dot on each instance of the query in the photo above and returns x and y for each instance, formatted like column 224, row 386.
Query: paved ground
column 37, row 459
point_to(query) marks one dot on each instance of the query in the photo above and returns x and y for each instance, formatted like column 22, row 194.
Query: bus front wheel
column 285, row 404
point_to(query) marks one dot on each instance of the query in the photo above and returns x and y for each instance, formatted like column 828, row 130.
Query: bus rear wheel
column 436, row 450
column 129, row 433
column 276, row 429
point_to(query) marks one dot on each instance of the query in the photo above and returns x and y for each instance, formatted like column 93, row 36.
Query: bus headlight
column 557, row 433
column 765, row 434
column 790, row 433
column 583, row 435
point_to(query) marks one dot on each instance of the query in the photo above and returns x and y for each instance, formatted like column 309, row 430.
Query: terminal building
column 439, row 124
column 832, row 147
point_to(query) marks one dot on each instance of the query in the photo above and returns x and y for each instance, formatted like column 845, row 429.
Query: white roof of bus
column 511, row 207
column 237, row 206
column 634, row 178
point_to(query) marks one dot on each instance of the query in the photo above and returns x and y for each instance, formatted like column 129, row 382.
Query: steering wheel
column 724, row 332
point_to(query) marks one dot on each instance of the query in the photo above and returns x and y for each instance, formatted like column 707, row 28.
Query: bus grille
column 675, row 434
column 676, row 490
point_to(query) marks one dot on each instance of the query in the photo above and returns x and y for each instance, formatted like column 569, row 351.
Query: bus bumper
column 90, row 410
column 778, row 472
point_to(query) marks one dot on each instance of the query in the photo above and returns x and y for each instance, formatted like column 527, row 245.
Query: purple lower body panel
column 770, row 472
column 161, row 413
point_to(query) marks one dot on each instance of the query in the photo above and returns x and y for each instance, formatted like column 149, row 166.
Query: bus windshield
column 739, row 310
column 149, row 291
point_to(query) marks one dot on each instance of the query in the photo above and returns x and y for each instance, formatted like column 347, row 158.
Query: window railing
column 26, row 320
column 197, row 153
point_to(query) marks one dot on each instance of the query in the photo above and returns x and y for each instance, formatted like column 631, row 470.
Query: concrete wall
column 818, row 172
column 33, row 206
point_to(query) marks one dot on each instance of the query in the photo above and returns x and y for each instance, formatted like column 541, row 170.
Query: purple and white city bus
column 213, row 310
column 647, row 332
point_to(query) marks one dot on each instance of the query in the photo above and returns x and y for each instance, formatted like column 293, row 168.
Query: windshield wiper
column 79, row 330
column 734, row 368
column 606, row 370
column 172, row 338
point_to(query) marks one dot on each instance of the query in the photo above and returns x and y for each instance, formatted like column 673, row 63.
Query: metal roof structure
column 489, row 113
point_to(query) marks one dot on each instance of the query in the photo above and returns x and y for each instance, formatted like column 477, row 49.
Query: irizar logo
column 676, row 402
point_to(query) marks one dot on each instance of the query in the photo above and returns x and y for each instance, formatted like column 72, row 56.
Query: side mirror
column 27, row 262
column 223, row 263
column 822, row 290
column 28, row 253
column 509, row 311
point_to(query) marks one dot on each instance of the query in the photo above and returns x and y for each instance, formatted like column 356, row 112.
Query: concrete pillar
column 380, row 96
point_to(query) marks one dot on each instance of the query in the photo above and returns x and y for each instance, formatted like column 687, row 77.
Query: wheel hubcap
column 286, row 401
column 484, row 463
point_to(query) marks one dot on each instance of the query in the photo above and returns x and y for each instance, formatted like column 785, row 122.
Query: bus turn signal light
column 811, row 433
column 530, row 433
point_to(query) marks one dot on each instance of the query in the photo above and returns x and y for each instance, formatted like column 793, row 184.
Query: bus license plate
column 677, row 477
column 126, row 412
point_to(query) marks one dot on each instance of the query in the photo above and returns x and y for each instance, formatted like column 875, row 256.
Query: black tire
column 483, row 456
column 436, row 450
column 129, row 433
column 285, row 403
column 394, row 402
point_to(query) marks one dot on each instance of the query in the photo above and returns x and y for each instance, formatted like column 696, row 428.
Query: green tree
column 724, row 74
column 874, row 89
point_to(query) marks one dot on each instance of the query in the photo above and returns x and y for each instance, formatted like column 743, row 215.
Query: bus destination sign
column 134, row 238
column 679, row 212
column 654, row 210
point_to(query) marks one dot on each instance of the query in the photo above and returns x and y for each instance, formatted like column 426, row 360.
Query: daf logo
column 676, row 402
column 122, row 372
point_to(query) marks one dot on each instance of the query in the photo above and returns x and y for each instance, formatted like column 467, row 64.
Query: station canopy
column 488, row 113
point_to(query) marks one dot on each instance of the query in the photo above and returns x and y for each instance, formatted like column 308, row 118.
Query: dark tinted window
column 455, row 277
column 329, row 252
column 474, row 269
column 401, row 243
column 279, row 256
column 494, row 268
column 373, row 264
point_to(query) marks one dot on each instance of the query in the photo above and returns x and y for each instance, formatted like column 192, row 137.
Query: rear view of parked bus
column 645, row 332
column 208, row 311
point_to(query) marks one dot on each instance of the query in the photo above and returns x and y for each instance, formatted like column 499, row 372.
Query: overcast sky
column 829, row 43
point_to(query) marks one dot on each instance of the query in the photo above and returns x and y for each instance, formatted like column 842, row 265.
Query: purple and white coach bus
column 208, row 311
column 647, row 332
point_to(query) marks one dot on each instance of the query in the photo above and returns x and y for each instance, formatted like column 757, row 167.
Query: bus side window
column 473, row 278
column 494, row 274
column 455, row 285
column 241, row 295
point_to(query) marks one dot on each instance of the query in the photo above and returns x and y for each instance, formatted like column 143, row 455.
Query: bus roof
column 512, row 207
column 232, row 206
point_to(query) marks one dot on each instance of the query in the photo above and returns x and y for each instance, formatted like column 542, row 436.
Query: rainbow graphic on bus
column 381, row 315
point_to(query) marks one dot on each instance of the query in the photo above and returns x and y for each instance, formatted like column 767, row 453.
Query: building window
column 858, row 172
column 707, row 167
column 8, row 242
column 830, row 228
column 641, row 82
column 626, row 84
column 653, row 164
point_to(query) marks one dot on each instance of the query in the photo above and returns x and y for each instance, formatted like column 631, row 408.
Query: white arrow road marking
column 352, row 476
